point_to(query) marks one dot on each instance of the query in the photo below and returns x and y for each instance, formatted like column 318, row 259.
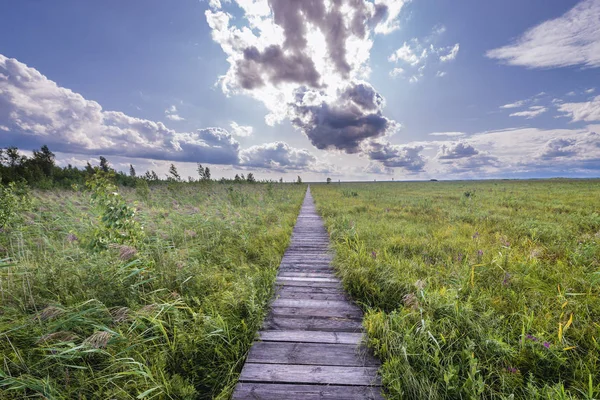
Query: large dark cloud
column 277, row 66
column 342, row 122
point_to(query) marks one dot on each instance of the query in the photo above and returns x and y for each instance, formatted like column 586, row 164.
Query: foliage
column 116, row 220
column 14, row 200
column 169, row 318
column 474, row 289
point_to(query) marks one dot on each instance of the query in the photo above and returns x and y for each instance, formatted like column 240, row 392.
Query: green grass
column 474, row 289
column 170, row 317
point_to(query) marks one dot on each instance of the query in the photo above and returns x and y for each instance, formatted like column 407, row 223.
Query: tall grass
column 474, row 289
column 169, row 316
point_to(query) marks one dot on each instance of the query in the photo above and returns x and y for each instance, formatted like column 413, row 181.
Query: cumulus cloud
column 36, row 108
column 572, row 39
column 396, row 156
column 396, row 71
column 277, row 156
column 533, row 112
column 241, row 130
column 306, row 61
column 343, row 122
column 456, row 150
column 378, row 169
column 584, row 111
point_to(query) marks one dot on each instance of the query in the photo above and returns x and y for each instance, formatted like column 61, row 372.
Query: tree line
column 41, row 171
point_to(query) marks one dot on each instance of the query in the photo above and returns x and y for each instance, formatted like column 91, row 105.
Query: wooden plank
column 316, row 312
column 311, row 336
column 310, row 354
column 262, row 391
column 309, row 284
column 305, row 279
column 312, row 324
column 313, row 374
column 308, row 289
column 294, row 274
column 331, row 304
column 310, row 295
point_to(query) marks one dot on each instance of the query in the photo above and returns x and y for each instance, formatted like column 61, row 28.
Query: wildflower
column 547, row 345
column 479, row 253
column 476, row 235
column 374, row 254
column 531, row 337
column 460, row 257
column 507, row 277
column 71, row 238
column 190, row 233
column 512, row 370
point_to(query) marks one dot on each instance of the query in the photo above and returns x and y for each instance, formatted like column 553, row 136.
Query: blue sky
column 373, row 89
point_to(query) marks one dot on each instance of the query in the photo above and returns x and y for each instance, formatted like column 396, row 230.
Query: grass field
column 166, row 310
column 474, row 289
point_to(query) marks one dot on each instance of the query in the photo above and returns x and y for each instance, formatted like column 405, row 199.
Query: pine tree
column 201, row 172
column 104, row 165
column 250, row 178
column 131, row 171
column 173, row 173
column 207, row 174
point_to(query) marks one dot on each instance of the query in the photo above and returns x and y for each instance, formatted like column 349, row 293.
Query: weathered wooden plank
column 310, row 354
column 309, row 284
column 305, row 279
column 313, row 374
column 294, row 274
column 312, row 324
column 316, row 312
column 309, row 289
column 339, row 305
column 311, row 336
column 311, row 296
column 262, row 391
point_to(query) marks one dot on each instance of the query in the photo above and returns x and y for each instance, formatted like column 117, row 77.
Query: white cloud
column 415, row 54
column 171, row 113
column 516, row 104
column 396, row 71
column 240, row 130
column 448, row 134
column 456, row 150
column 409, row 55
column 584, row 111
column 278, row 156
column 590, row 90
column 36, row 108
column 451, row 55
column 533, row 111
column 572, row 39
column 287, row 56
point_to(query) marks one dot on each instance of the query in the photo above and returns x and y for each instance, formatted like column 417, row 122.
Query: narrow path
column 310, row 344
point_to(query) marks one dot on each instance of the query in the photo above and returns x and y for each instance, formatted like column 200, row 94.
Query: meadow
column 137, row 293
column 474, row 290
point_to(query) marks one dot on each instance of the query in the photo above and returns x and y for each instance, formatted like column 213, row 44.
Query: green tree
column 201, row 172
column 237, row 178
column 328, row 180
column 131, row 171
column 299, row 180
column 174, row 175
column 207, row 174
column 250, row 178
column 104, row 165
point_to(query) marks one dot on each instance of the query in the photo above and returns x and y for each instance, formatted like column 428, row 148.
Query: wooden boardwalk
column 310, row 344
